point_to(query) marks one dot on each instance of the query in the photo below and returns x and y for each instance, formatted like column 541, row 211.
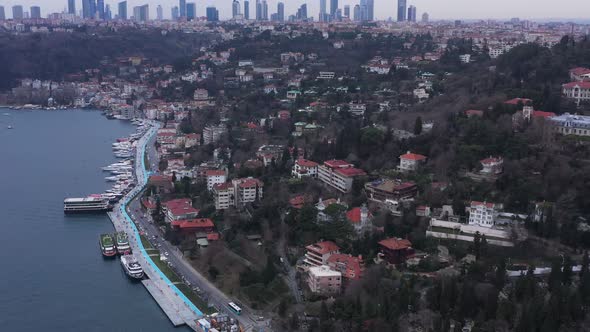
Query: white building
column 357, row 109
column 326, row 75
column 339, row 174
column 578, row 91
column 215, row 176
column 483, row 214
column 410, row 162
column 304, row 168
column 568, row 124
column 212, row 134
column 492, row 165
column 465, row 58
column 237, row 193
column 323, row 280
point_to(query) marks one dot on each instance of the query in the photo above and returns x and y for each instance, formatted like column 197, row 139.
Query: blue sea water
column 52, row 274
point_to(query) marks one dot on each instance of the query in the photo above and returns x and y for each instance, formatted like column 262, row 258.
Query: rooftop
column 323, row 247
column 413, row 156
column 395, row 243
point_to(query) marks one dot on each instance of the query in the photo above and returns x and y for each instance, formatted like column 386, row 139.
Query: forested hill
column 53, row 55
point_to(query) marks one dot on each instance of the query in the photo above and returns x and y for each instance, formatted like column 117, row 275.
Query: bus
column 235, row 308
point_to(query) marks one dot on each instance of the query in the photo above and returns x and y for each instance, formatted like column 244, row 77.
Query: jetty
column 179, row 309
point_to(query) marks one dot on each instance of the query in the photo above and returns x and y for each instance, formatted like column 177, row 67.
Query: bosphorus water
column 52, row 274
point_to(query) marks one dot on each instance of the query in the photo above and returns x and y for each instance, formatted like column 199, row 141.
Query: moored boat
column 107, row 245
column 90, row 204
column 122, row 243
column 132, row 267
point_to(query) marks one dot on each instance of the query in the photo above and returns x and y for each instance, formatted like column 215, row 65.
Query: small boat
column 132, row 267
column 9, row 127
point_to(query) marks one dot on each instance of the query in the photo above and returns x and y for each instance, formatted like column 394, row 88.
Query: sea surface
column 52, row 274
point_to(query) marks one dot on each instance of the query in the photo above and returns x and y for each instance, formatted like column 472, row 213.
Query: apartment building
column 339, row 174
column 318, row 253
column 323, row 280
column 305, row 168
column 483, row 214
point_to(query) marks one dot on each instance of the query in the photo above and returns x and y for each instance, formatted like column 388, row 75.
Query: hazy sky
column 438, row 9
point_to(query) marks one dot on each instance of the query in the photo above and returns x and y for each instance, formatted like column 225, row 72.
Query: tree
column 283, row 307
column 269, row 272
column 418, row 126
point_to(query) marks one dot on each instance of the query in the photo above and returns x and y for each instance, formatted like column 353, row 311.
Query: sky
column 437, row 9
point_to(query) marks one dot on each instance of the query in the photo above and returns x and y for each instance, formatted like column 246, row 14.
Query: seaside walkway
column 179, row 309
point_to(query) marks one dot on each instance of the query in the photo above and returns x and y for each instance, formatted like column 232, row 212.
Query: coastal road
column 248, row 319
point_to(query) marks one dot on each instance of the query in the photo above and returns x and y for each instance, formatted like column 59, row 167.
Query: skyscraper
column 235, row 9
column 123, row 10
column 212, row 14
column 264, row 10
column 2, row 14
column 191, row 11
column 258, row 10
column 108, row 14
column 17, row 12
column 281, row 12
column 71, row 6
column 174, row 13
column 412, row 14
column 333, row 7
column 35, row 12
column 425, row 17
column 159, row 13
column 247, row 9
column 364, row 11
column 347, row 11
column 182, row 8
column 323, row 13
column 370, row 10
column 100, row 8
column 401, row 10
column 88, row 8
column 302, row 13
column 356, row 13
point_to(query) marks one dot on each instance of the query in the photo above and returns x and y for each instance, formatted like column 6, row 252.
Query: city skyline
column 384, row 9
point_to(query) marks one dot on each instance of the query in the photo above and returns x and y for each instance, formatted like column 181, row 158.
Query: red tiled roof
column 490, row 160
column 580, row 71
column 395, row 244
column 222, row 186
column 354, row 215
column 541, row 114
column 337, row 163
column 323, row 247
column 249, row 183
column 582, row 85
column 213, row 236
column 297, row 202
column 214, row 172
column 474, row 113
column 306, row 163
column 194, row 223
column 515, row 101
column 486, row 204
column 350, row 172
column 413, row 156
column 353, row 265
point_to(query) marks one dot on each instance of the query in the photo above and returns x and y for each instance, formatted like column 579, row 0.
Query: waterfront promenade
column 179, row 309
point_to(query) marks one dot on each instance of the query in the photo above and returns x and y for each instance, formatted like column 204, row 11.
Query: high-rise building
column 347, row 11
column 235, row 9
column 159, row 13
column 72, row 7
column 88, row 8
column 322, row 17
column 2, row 13
column 141, row 13
column 35, row 12
column 333, row 7
column 370, row 10
column 425, row 17
column 100, row 8
column 258, row 10
column 182, row 8
column 123, row 10
column 412, row 14
column 281, row 12
column 356, row 13
column 264, row 10
column 17, row 12
column 175, row 13
column 108, row 14
column 302, row 13
column 247, row 9
column 191, row 11
column 212, row 14
column 401, row 10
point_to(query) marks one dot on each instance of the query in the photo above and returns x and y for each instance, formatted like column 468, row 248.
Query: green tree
column 418, row 126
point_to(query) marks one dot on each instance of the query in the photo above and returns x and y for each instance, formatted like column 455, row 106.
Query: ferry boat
column 132, row 267
column 123, row 247
column 91, row 204
column 107, row 245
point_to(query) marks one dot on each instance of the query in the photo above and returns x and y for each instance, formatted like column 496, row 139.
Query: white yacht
column 132, row 266
column 89, row 204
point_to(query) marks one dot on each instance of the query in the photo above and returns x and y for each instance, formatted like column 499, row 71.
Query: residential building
column 17, row 12
column 182, row 8
column 193, row 226
column 568, row 124
column 318, row 253
column 361, row 219
column 215, row 177
column 385, row 189
column 401, row 10
column 483, row 214
column 339, row 174
column 351, row 267
column 395, row 250
column 192, row 139
column 246, row 10
column 412, row 14
column 179, row 209
column 323, row 280
column 235, row 9
column 237, row 193
column 212, row 14
column 71, row 7
column 35, row 12
column 281, row 12
column 411, row 162
column 223, row 194
column 213, row 133
column 326, row 75
column 305, row 168
column 578, row 91
column 191, row 11
column 580, row 74
column 163, row 183
column 492, row 165
column 123, row 10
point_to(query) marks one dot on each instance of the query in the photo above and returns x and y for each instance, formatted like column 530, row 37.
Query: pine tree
column 418, row 126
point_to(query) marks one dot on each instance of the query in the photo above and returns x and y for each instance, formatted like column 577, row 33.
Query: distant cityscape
column 364, row 11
